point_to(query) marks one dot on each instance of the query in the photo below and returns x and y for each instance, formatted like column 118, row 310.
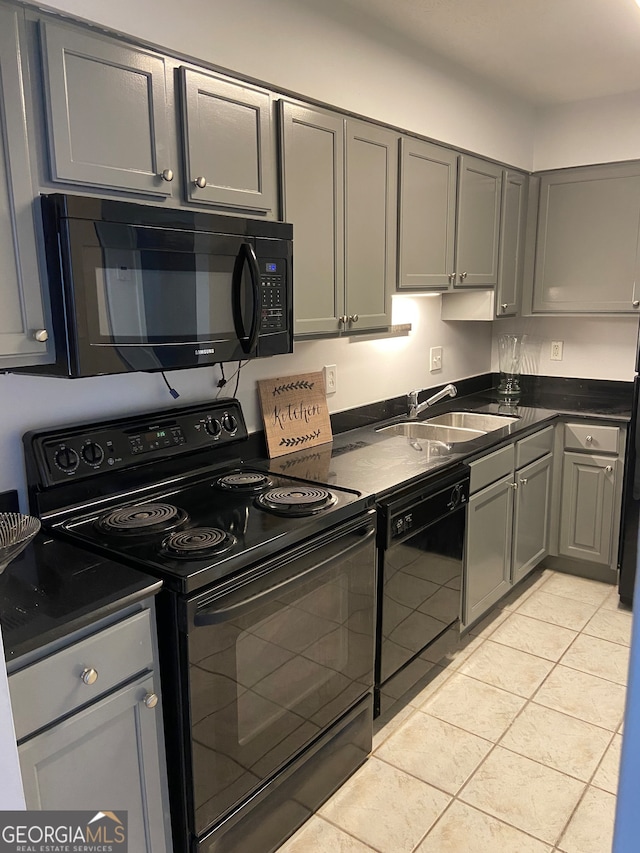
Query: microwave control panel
column 273, row 295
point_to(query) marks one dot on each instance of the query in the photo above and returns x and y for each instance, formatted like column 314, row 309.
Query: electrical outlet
column 435, row 359
column 556, row 350
column 330, row 378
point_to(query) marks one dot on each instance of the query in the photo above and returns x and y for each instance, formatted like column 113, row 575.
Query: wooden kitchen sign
column 295, row 412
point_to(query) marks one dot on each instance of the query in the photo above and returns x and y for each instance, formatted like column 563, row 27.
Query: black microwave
column 137, row 287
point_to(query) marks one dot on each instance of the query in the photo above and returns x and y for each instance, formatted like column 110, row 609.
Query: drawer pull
column 608, row 469
column 89, row 675
column 166, row 175
column 589, row 439
column 150, row 700
column 524, row 481
column 200, row 182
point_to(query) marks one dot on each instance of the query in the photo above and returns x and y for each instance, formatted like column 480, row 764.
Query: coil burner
column 142, row 519
column 198, row 542
column 244, row 481
column 296, row 501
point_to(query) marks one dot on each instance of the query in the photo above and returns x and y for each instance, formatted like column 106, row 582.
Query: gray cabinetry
column 106, row 113
column 427, row 224
column 508, row 520
column 89, row 728
column 587, row 242
column 512, row 241
column 227, row 143
column 478, row 227
column 586, row 523
column 343, row 211
column 23, row 336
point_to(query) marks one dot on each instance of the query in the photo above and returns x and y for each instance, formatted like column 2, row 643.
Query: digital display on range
column 155, row 439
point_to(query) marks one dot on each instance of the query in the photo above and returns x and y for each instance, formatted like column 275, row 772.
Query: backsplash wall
column 369, row 370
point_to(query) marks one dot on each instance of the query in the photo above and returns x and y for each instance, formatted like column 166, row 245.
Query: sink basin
column 481, row 421
column 434, row 432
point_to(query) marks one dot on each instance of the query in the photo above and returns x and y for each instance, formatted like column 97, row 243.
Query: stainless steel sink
column 481, row 421
column 433, row 432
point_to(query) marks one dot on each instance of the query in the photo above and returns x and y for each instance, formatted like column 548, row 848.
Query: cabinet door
column 106, row 111
column 227, row 143
column 531, row 516
column 313, row 200
column 105, row 757
column 479, row 200
column 587, row 244
column 371, row 189
column 428, row 181
column 512, row 236
column 21, row 305
column 487, row 572
column 586, row 515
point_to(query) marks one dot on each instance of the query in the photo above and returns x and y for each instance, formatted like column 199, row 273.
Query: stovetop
column 162, row 493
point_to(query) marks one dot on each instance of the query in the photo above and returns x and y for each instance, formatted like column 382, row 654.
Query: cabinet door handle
column 41, row 335
column 589, row 439
column 452, row 278
column 150, row 700
column 353, row 318
column 343, row 320
column 504, row 306
column 524, row 481
column 200, row 182
column 608, row 469
column 463, row 275
column 513, row 485
column 89, row 675
column 636, row 303
column 166, row 175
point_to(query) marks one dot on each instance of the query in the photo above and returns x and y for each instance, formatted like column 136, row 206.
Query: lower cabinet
column 90, row 730
column 591, row 492
column 508, row 520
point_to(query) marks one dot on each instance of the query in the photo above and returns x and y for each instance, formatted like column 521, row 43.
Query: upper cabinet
column 106, row 113
column 587, row 242
column 512, row 242
column 227, row 143
column 23, row 336
column 340, row 192
column 449, row 218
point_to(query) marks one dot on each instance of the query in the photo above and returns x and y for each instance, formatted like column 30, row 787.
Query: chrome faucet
column 415, row 408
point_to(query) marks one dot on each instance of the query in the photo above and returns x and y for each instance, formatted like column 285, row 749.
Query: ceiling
column 545, row 51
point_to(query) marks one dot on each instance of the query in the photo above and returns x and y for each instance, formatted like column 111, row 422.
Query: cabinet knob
column 504, row 306
column 353, row 318
column 167, row 175
column 513, row 485
column 636, row 303
column 452, row 277
column 463, row 275
column 41, row 335
column 89, row 675
column 608, row 469
column 524, row 481
column 343, row 320
column 589, row 439
column 150, row 700
column 200, row 182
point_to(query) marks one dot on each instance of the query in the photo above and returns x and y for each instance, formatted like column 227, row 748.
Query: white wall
column 600, row 130
column 594, row 348
column 368, row 370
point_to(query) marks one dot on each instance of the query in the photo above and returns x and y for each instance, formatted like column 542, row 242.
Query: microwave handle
column 247, row 255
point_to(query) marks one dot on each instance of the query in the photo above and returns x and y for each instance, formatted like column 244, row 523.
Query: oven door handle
column 246, row 255
column 237, row 601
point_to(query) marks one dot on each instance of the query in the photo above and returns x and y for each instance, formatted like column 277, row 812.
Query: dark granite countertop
column 376, row 463
column 53, row 589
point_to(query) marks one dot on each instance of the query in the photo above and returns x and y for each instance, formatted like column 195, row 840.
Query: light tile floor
column 513, row 747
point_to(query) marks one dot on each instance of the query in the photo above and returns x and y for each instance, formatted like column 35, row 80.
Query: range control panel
column 79, row 452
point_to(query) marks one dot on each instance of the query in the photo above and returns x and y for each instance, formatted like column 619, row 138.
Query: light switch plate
column 435, row 359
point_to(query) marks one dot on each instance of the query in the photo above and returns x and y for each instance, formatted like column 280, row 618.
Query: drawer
column 491, row 467
column 53, row 687
column 534, row 446
column 597, row 438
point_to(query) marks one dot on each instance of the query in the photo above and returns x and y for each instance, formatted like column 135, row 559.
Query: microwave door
column 246, row 259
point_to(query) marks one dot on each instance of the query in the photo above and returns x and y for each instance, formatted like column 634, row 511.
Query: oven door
column 274, row 660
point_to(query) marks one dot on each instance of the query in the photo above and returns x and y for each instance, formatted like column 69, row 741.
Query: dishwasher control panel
column 425, row 509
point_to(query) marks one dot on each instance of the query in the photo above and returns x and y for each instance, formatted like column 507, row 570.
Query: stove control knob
column 212, row 426
column 92, row 453
column 66, row 459
column 229, row 423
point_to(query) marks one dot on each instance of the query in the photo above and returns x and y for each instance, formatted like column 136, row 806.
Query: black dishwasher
column 420, row 551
